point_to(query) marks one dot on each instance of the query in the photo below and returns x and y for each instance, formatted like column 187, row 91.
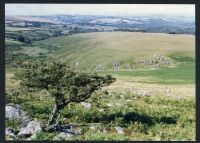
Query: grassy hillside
column 149, row 104
column 92, row 49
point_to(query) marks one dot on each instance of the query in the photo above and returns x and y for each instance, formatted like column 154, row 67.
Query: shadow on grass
column 144, row 119
column 135, row 117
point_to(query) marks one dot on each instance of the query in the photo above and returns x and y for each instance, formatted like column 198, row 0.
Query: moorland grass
column 107, row 47
column 144, row 118
column 183, row 73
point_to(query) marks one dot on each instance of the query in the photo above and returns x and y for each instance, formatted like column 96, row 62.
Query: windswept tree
column 63, row 83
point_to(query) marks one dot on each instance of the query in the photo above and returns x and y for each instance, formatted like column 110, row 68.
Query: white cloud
column 100, row 9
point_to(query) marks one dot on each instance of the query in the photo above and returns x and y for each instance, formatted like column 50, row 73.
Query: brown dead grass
column 176, row 91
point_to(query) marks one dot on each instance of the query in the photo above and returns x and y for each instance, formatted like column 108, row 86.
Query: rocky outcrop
column 33, row 127
column 15, row 112
column 156, row 61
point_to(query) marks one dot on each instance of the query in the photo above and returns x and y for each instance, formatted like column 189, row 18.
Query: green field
column 182, row 74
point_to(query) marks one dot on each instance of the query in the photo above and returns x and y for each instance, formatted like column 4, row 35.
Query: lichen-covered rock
column 25, row 120
column 86, row 105
column 109, row 105
column 9, row 132
column 63, row 136
column 10, row 135
column 33, row 127
column 13, row 112
column 119, row 130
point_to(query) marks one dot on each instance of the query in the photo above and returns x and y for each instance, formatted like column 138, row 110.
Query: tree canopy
column 63, row 83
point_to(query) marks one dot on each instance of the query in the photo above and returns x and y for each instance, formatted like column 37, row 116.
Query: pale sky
column 101, row 9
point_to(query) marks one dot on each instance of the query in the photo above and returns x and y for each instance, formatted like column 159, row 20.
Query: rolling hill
column 88, row 50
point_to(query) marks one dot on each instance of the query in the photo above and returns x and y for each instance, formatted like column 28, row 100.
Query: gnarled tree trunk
column 52, row 117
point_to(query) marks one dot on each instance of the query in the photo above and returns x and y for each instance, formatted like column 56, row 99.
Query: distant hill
column 30, row 19
column 152, row 24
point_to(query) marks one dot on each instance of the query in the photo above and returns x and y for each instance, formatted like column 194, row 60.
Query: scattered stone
column 110, row 93
column 116, row 65
column 119, row 130
column 141, row 93
column 63, row 136
column 33, row 127
column 86, row 105
column 129, row 89
column 168, row 91
column 100, row 67
column 104, row 131
column 109, row 105
column 96, row 126
column 92, row 127
column 10, row 132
